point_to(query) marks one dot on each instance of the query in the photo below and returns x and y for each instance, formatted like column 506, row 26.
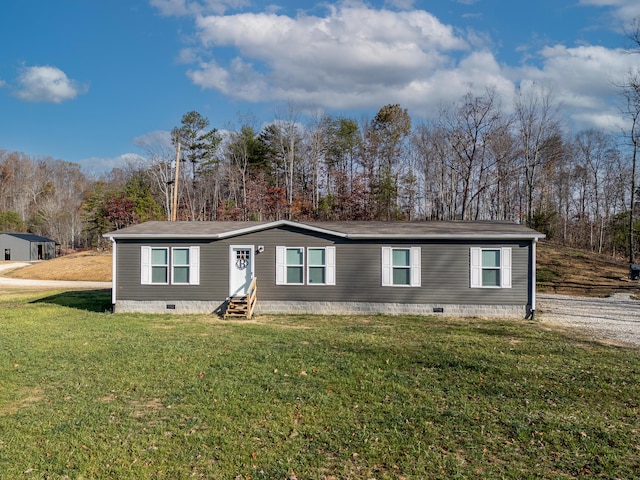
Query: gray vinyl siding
column 128, row 283
column 445, row 271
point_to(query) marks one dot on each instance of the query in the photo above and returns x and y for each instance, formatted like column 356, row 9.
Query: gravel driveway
column 616, row 318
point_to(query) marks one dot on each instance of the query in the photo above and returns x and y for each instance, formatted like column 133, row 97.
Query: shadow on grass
column 90, row 300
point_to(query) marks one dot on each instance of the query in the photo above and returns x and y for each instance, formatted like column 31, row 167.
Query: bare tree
column 159, row 167
column 536, row 122
column 470, row 128
column 631, row 94
column 632, row 97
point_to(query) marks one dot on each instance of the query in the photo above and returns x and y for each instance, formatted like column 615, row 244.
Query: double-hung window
column 305, row 266
column 490, row 267
column 158, row 266
column 175, row 266
column 180, row 266
column 317, row 266
column 295, row 266
column 401, row 267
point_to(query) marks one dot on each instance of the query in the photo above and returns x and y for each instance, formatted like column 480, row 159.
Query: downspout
column 532, row 313
column 113, row 274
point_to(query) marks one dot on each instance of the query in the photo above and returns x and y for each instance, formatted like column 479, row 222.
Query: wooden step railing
column 243, row 306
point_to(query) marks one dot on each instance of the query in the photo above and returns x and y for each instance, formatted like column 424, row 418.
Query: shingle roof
column 29, row 237
column 353, row 230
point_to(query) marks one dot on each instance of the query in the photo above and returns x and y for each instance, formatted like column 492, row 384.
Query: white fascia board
column 159, row 236
column 444, row 236
column 280, row 223
column 230, row 233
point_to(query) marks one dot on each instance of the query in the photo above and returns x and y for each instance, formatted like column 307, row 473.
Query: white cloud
column 402, row 4
column 350, row 58
column 240, row 80
column 100, row 165
column 191, row 7
column 46, row 84
column 622, row 10
column 609, row 121
column 188, row 55
column 360, row 57
column 160, row 139
column 171, row 7
column 585, row 81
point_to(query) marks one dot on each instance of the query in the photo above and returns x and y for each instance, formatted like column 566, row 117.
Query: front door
column 240, row 269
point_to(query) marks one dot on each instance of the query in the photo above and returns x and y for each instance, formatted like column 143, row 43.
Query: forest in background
column 479, row 160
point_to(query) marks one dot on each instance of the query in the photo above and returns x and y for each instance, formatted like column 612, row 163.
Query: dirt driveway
column 616, row 318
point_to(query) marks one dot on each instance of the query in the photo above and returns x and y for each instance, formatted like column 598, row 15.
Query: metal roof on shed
column 30, row 237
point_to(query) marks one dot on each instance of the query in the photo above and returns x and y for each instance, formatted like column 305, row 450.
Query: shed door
column 240, row 269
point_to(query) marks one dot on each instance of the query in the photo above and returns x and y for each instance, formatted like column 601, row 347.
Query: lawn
column 86, row 394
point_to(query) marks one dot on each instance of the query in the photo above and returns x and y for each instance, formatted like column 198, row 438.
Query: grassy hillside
column 575, row 272
column 560, row 270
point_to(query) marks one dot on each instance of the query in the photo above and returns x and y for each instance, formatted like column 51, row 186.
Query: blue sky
column 87, row 80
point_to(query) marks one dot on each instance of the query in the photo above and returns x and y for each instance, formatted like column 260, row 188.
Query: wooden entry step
column 243, row 306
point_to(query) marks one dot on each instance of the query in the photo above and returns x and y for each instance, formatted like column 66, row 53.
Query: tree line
column 479, row 160
column 475, row 162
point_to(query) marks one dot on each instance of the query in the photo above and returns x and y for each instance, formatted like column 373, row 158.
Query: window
column 317, row 265
column 180, row 265
column 295, row 266
column 401, row 267
column 318, row 269
column 157, row 267
column 490, row 267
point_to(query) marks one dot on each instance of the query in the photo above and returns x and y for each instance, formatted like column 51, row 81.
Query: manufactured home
column 450, row 268
column 26, row 247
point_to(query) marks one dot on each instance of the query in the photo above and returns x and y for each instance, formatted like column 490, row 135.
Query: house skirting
column 325, row 308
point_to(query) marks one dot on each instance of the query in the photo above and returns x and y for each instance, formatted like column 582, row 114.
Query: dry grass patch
column 26, row 398
column 570, row 271
column 143, row 408
column 88, row 266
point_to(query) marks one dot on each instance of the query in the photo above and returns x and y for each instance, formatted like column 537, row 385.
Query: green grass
column 86, row 394
column 547, row 275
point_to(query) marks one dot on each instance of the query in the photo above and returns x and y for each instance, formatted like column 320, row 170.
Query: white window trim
column 281, row 265
column 329, row 266
column 415, row 266
column 146, row 267
column 194, row 266
column 329, row 272
column 475, row 267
